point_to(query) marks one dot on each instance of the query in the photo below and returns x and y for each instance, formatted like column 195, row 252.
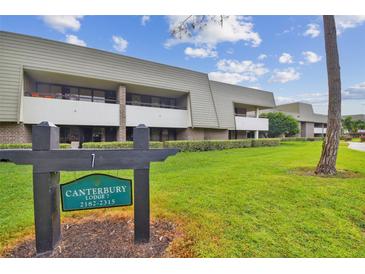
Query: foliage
column 362, row 138
column 203, row 145
column 127, row 144
column 302, row 139
column 232, row 203
column 281, row 124
column 352, row 126
column 27, row 146
column 346, row 138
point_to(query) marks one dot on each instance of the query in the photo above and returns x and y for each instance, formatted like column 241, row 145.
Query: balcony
column 69, row 112
column 157, row 117
column 251, row 123
column 319, row 130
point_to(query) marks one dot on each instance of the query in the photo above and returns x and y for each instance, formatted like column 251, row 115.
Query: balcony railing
column 143, row 104
column 74, row 97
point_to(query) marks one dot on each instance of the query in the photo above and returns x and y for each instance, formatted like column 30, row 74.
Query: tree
column 281, row 124
column 327, row 162
column 347, row 124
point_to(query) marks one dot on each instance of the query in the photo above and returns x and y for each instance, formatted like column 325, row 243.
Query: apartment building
column 311, row 124
column 93, row 95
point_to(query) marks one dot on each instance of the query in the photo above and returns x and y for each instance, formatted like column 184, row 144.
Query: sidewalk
column 357, row 146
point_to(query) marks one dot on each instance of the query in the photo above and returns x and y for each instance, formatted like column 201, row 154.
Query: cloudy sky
column 282, row 54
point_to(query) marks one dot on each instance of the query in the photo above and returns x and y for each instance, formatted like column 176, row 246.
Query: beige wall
column 202, row 134
column 306, row 129
column 13, row 133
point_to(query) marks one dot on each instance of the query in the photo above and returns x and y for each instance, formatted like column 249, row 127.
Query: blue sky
column 282, row 54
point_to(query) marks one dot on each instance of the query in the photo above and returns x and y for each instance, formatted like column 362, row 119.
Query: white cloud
column 227, row 77
column 120, row 44
column 286, row 58
column 200, row 52
column 234, row 29
column 312, row 30
column 284, row 75
column 145, row 19
column 73, row 39
column 311, row 57
column 234, row 71
column 354, row 92
column 344, row 22
column 62, row 23
column 262, row 56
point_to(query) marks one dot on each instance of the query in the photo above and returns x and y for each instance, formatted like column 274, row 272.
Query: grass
column 235, row 203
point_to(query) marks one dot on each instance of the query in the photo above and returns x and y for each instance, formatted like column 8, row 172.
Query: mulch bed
column 110, row 237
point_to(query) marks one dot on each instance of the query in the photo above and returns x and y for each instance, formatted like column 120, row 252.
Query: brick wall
column 121, row 98
column 13, row 133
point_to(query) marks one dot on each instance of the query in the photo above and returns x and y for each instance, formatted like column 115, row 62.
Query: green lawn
column 236, row 203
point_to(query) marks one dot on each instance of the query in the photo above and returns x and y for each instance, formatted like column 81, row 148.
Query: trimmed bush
column 206, row 145
column 127, row 144
column 362, row 138
column 301, row 139
column 27, row 146
column 269, row 142
column 346, row 138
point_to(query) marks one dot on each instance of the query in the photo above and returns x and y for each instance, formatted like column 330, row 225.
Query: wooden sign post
column 48, row 160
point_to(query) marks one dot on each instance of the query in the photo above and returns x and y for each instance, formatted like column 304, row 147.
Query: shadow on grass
column 341, row 173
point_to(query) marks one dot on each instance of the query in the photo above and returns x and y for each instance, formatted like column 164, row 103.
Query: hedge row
column 291, row 139
column 127, row 144
column 27, row 146
column 203, row 145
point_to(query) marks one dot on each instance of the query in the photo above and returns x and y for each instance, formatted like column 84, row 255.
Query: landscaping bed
column 102, row 237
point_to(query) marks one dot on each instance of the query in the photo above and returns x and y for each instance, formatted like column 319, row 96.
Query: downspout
column 19, row 117
column 215, row 109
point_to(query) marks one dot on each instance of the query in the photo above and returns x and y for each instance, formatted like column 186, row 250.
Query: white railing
column 319, row 130
column 68, row 112
column 157, row 117
column 250, row 123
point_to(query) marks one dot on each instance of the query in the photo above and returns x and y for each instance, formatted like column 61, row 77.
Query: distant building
column 310, row 124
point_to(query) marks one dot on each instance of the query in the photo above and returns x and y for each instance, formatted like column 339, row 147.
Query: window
column 240, row 111
column 85, row 94
column 99, row 96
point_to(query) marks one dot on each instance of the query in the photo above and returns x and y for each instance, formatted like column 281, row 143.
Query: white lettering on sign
column 95, row 192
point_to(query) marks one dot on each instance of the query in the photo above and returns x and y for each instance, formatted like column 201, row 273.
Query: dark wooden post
column 141, row 136
column 45, row 136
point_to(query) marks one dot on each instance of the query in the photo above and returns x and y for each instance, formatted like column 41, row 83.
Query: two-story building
column 311, row 124
column 94, row 95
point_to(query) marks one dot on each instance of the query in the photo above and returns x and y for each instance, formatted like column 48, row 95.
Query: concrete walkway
column 357, row 146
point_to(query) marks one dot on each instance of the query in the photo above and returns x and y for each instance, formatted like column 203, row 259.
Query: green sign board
column 96, row 191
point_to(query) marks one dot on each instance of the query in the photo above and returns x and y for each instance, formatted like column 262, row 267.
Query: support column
column 46, row 191
column 141, row 136
column 257, row 116
column 121, row 99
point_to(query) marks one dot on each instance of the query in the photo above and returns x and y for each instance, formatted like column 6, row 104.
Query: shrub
column 346, row 138
column 206, row 145
column 362, row 138
column 265, row 142
column 301, row 139
column 27, row 146
column 127, row 144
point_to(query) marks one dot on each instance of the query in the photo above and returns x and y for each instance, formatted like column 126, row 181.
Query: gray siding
column 20, row 50
column 225, row 95
column 302, row 112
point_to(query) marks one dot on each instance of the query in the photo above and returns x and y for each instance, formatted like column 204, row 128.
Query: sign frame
column 99, row 207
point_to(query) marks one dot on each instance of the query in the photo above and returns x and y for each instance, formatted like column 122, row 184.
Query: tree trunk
column 327, row 162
